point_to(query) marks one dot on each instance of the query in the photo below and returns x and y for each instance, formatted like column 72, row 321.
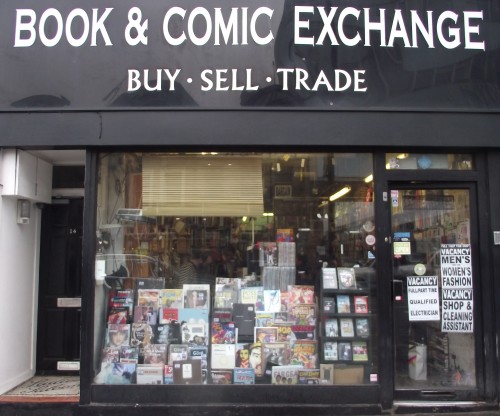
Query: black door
column 58, row 342
column 436, row 301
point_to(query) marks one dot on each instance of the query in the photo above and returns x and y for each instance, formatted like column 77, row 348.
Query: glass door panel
column 433, row 290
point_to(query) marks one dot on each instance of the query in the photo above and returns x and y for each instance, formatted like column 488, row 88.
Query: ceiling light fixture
column 341, row 193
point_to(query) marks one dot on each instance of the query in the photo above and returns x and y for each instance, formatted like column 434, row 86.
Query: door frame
column 485, row 321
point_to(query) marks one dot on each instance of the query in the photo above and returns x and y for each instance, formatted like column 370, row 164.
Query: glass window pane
column 426, row 161
column 434, row 331
column 187, row 241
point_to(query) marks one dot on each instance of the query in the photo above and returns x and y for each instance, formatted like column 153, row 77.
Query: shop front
column 289, row 207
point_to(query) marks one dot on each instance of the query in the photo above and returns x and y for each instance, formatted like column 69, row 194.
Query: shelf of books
column 237, row 331
column 345, row 324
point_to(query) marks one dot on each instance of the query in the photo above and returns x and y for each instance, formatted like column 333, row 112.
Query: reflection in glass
column 225, row 222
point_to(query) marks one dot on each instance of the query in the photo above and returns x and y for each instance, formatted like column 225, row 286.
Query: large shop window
column 235, row 269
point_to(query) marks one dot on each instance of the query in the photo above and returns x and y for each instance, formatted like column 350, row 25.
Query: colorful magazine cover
column 304, row 353
column 300, row 294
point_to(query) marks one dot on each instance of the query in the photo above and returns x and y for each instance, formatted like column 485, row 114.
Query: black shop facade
column 285, row 206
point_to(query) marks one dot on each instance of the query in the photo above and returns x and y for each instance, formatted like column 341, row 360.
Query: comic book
column 243, row 376
column 304, row 353
column 346, row 327
column 146, row 314
column 272, row 300
column 303, row 314
column 129, row 354
column 307, row 332
column 330, row 351
column 226, row 292
column 117, row 335
column 171, row 298
column 142, row 334
column 275, row 353
column 223, row 356
column 346, row 277
column 223, row 333
column 309, row 376
column 155, row 354
column 287, row 374
column 253, row 295
column 300, row 294
column 118, row 315
column 177, row 352
column 265, row 334
column 360, row 304
column 196, row 296
column 148, row 297
column 284, row 330
column 221, row 376
column 168, row 315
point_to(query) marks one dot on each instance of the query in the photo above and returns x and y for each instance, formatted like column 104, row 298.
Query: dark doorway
column 59, row 303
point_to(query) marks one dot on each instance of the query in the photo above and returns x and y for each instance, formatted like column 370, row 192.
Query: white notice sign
column 456, row 281
column 423, row 298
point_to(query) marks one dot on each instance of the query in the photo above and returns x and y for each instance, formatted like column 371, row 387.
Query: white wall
column 19, row 258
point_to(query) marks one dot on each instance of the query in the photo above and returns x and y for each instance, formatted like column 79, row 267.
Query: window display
column 233, row 269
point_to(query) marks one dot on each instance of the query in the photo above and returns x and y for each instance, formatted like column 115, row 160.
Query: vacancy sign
column 423, row 298
column 456, row 281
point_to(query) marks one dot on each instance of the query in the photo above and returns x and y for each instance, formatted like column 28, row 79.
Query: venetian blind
column 202, row 186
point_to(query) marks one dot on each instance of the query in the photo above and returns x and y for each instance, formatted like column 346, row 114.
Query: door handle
column 397, row 290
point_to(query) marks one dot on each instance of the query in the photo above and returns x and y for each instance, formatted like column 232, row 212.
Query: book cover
column 168, row 375
column 329, row 275
column 329, row 304
column 272, row 300
column 304, row 353
column 279, row 317
column 284, row 329
column 331, row 327
column 265, row 334
column 110, row 355
column 346, row 277
column 177, row 352
column 221, row 376
column 326, row 373
column 168, row 315
column 264, row 318
column 330, row 351
column 122, row 298
column 155, row 354
column 196, row 296
column 150, row 374
column 117, row 373
column 300, row 294
column 223, row 333
column 222, row 315
column 359, row 351
column 362, row 327
column 244, row 320
column 287, row 374
column 253, row 295
column 118, row 315
column 199, row 353
column 309, row 376
column 171, row 298
column 129, row 354
column 242, row 355
column 303, row 314
column 141, row 334
column 226, row 292
column 346, row 327
column 306, row 332
column 194, row 316
column 223, row 356
column 148, row 297
column 256, row 359
column 345, row 351
column 343, row 304
column 268, row 254
column 243, row 376
column 168, row 333
column 284, row 235
column 187, row 372
column 194, row 333
column 360, row 304
column 146, row 314
column 117, row 335
column 275, row 353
